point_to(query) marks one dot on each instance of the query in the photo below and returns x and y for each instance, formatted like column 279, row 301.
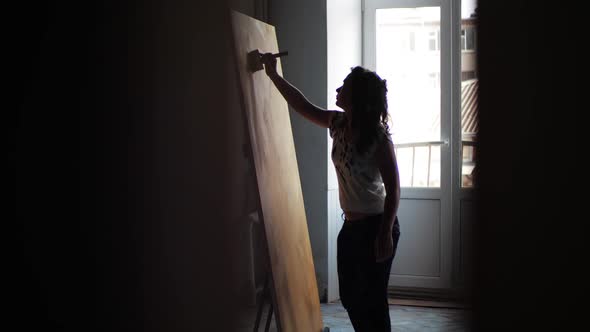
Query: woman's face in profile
column 344, row 96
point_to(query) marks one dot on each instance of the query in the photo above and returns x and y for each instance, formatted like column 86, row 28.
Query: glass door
column 408, row 43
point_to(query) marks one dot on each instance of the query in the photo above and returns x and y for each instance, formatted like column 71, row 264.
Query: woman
column 368, row 180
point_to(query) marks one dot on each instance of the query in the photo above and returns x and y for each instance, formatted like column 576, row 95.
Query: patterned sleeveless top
column 360, row 185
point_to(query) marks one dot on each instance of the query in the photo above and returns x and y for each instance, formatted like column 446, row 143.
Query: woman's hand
column 383, row 245
column 270, row 63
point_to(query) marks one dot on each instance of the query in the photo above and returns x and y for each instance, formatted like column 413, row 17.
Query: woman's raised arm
column 294, row 97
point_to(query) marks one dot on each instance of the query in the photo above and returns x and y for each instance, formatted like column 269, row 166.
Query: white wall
column 301, row 30
column 324, row 41
column 344, row 22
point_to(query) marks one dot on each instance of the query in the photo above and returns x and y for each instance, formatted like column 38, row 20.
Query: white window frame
column 450, row 77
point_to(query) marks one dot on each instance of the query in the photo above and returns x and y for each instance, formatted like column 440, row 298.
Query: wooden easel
column 266, row 295
column 290, row 282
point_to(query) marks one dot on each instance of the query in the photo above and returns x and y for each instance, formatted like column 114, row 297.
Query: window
column 407, row 46
column 468, row 39
column 412, row 41
column 434, row 40
column 434, row 80
column 408, row 57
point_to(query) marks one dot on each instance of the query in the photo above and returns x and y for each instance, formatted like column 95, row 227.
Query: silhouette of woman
column 369, row 190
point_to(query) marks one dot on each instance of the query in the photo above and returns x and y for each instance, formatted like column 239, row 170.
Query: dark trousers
column 363, row 281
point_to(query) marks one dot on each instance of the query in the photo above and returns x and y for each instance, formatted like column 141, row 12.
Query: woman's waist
column 359, row 208
column 357, row 216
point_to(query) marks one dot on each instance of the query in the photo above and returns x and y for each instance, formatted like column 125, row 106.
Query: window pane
column 468, row 165
column 434, row 174
column 408, row 57
column 463, row 39
column 405, row 165
column 470, row 39
column 421, row 167
column 469, row 92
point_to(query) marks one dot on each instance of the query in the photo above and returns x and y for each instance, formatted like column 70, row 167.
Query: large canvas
column 293, row 276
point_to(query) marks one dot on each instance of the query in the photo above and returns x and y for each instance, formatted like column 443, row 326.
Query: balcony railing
column 408, row 162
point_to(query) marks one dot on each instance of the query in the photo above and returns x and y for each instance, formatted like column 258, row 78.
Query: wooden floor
column 423, row 316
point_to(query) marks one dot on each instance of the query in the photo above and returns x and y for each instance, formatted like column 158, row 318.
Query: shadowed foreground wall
column 531, row 231
column 121, row 167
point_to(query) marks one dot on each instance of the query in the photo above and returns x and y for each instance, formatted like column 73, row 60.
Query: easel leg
column 265, row 294
column 268, row 318
column 258, row 315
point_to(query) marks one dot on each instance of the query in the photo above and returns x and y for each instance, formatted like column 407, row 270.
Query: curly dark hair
column 369, row 106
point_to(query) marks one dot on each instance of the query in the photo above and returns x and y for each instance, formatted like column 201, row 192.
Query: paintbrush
column 254, row 63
